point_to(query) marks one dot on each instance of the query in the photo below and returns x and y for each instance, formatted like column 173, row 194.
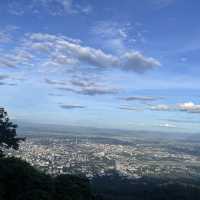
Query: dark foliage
column 8, row 137
column 20, row 181
column 71, row 187
column 116, row 187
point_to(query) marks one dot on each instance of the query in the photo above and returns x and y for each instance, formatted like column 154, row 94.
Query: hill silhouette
column 20, row 181
column 116, row 187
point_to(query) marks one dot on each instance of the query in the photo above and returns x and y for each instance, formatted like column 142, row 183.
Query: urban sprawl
column 96, row 156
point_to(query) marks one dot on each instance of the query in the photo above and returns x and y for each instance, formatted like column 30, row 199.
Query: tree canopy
column 20, row 181
column 8, row 135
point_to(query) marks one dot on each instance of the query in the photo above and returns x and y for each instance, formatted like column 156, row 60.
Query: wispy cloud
column 129, row 108
column 70, row 106
column 109, row 29
column 15, row 8
column 52, row 7
column 15, row 58
column 4, row 37
column 117, row 36
column 54, row 82
column 142, row 98
column 5, row 80
column 158, row 4
column 6, row 33
column 111, row 35
column 55, row 95
column 190, row 121
column 83, row 87
column 91, row 91
column 3, row 77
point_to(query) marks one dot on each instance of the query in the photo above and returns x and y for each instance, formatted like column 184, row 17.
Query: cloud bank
column 64, row 51
column 188, row 107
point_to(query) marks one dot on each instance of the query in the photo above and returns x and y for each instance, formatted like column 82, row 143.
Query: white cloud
column 167, row 125
column 91, row 56
column 188, row 107
column 161, row 107
column 135, row 61
column 69, row 52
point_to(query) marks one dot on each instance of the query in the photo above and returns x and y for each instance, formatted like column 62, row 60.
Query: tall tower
column 117, row 165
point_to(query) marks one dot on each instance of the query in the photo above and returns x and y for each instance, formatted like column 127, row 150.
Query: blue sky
column 112, row 64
